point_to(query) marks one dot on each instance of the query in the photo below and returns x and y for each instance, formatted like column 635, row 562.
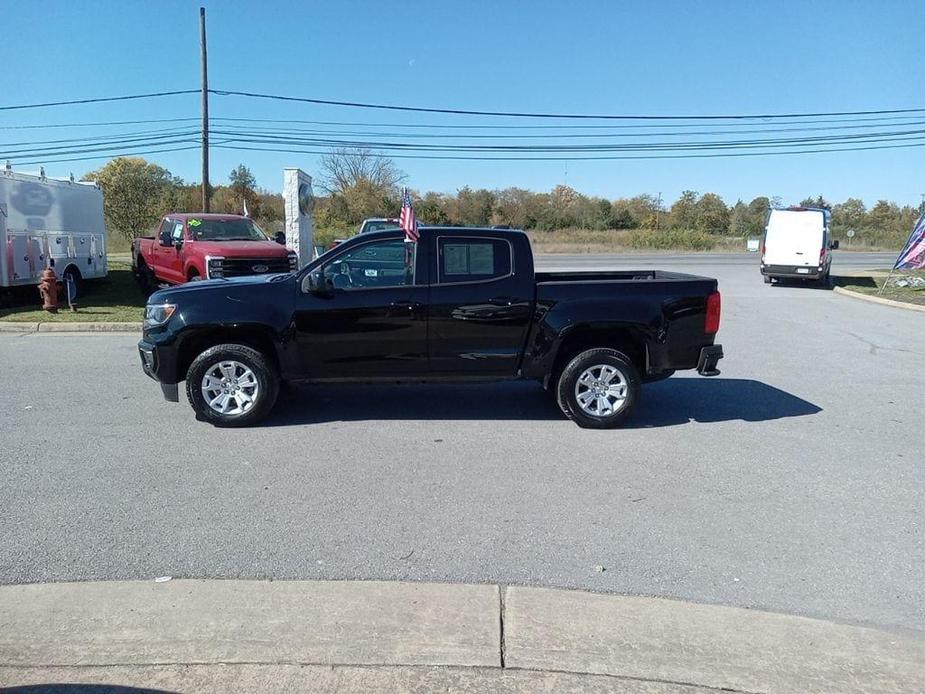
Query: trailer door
column 6, row 250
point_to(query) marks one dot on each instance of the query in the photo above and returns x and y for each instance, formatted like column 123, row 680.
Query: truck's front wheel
column 232, row 385
column 599, row 388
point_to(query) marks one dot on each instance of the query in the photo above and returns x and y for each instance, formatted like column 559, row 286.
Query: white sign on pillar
column 299, row 205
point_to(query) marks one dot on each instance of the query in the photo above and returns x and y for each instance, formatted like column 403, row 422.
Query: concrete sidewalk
column 260, row 636
column 69, row 327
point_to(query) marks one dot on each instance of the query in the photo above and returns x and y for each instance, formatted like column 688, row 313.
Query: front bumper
column 155, row 367
column 709, row 358
column 799, row 272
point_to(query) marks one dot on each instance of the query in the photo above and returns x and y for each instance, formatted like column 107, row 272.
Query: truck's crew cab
column 458, row 305
column 205, row 246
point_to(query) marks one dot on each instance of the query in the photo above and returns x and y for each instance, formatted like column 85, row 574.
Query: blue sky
column 602, row 57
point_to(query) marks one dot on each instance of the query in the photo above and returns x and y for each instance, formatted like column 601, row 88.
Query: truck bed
column 613, row 276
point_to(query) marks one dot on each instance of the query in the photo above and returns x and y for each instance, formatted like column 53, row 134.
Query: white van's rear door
column 794, row 237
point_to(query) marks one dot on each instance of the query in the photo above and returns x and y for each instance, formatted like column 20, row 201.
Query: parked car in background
column 796, row 245
column 191, row 247
column 377, row 224
column 368, row 225
column 49, row 222
column 457, row 305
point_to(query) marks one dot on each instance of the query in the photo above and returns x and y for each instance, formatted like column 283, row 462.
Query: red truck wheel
column 232, row 385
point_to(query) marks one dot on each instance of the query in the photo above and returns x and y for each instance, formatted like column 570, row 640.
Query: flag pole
column 883, row 286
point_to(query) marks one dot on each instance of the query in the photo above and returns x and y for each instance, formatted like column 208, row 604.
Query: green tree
column 242, row 184
column 712, row 214
column 850, row 214
column 474, row 207
column 818, row 201
column 135, row 194
column 365, row 181
column 757, row 215
column 645, row 209
column 738, row 219
column 683, row 213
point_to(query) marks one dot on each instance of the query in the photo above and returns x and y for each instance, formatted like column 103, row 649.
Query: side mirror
column 280, row 237
column 315, row 283
column 177, row 243
column 834, row 245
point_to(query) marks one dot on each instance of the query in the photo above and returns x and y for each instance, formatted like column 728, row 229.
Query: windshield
column 225, row 230
column 379, row 226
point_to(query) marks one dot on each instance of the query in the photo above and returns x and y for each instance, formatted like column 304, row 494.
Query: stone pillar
column 299, row 205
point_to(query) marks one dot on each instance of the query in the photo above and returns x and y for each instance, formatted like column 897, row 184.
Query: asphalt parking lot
column 792, row 482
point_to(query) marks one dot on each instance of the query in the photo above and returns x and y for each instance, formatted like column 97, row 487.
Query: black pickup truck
column 457, row 305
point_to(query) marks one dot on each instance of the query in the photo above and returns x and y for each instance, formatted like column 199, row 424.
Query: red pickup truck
column 191, row 247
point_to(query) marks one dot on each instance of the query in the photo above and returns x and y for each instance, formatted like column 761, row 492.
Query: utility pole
column 658, row 209
column 205, row 109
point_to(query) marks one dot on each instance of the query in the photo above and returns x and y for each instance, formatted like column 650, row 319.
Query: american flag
column 407, row 221
column 913, row 253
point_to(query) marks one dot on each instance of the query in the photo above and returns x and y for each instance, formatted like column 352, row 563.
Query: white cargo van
column 48, row 221
column 796, row 245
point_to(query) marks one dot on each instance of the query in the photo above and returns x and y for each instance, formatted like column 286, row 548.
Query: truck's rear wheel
column 147, row 281
column 599, row 388
column 232, row 385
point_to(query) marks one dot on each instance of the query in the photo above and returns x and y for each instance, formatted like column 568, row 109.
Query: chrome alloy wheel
column 601, row 390
column 230, row 388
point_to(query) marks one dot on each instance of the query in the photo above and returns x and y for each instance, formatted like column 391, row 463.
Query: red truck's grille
column 237, row 267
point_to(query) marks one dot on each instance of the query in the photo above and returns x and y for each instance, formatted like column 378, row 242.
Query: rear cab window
column 473, row 259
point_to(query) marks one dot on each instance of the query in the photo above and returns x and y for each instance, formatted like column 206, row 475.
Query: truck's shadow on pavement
column 79, row 689
column 674, row 401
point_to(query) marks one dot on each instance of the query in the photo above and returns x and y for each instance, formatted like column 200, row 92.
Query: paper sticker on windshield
column 371, row 273
column 194, row 222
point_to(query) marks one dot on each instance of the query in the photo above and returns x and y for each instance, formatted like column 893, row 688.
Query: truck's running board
column 709, row 356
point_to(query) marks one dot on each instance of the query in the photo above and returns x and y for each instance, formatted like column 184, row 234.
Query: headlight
column 214, row 266
column 293, row 261
column 158, row 314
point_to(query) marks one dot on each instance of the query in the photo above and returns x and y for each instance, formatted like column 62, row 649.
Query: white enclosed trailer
column 50, row 222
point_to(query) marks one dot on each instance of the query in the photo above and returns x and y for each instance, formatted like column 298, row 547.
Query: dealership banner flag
column 912, row 256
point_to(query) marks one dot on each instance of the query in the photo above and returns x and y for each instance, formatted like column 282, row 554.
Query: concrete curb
column 382, row 636
column 879, row 300
column 73, row 327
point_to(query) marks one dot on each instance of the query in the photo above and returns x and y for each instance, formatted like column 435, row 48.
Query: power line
column 561, row 136
column 563, row 116
column 87, row 150
column 570, row 126
column 714, row 155
column 593, row 147
column 98, row 100
column 94, row 138
column 95, row 124
column 108, row 156
column 100, row 146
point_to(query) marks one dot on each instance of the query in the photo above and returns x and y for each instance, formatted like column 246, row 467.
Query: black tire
column 767, row 279
column 146, row 280
column 265, row 395
column 568, row 380
column 193, row 276
column 74, row 273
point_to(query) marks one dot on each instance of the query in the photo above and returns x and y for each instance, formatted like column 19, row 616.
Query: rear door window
column 473, row 260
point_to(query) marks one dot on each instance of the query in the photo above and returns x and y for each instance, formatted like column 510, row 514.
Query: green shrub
column 669, row 239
